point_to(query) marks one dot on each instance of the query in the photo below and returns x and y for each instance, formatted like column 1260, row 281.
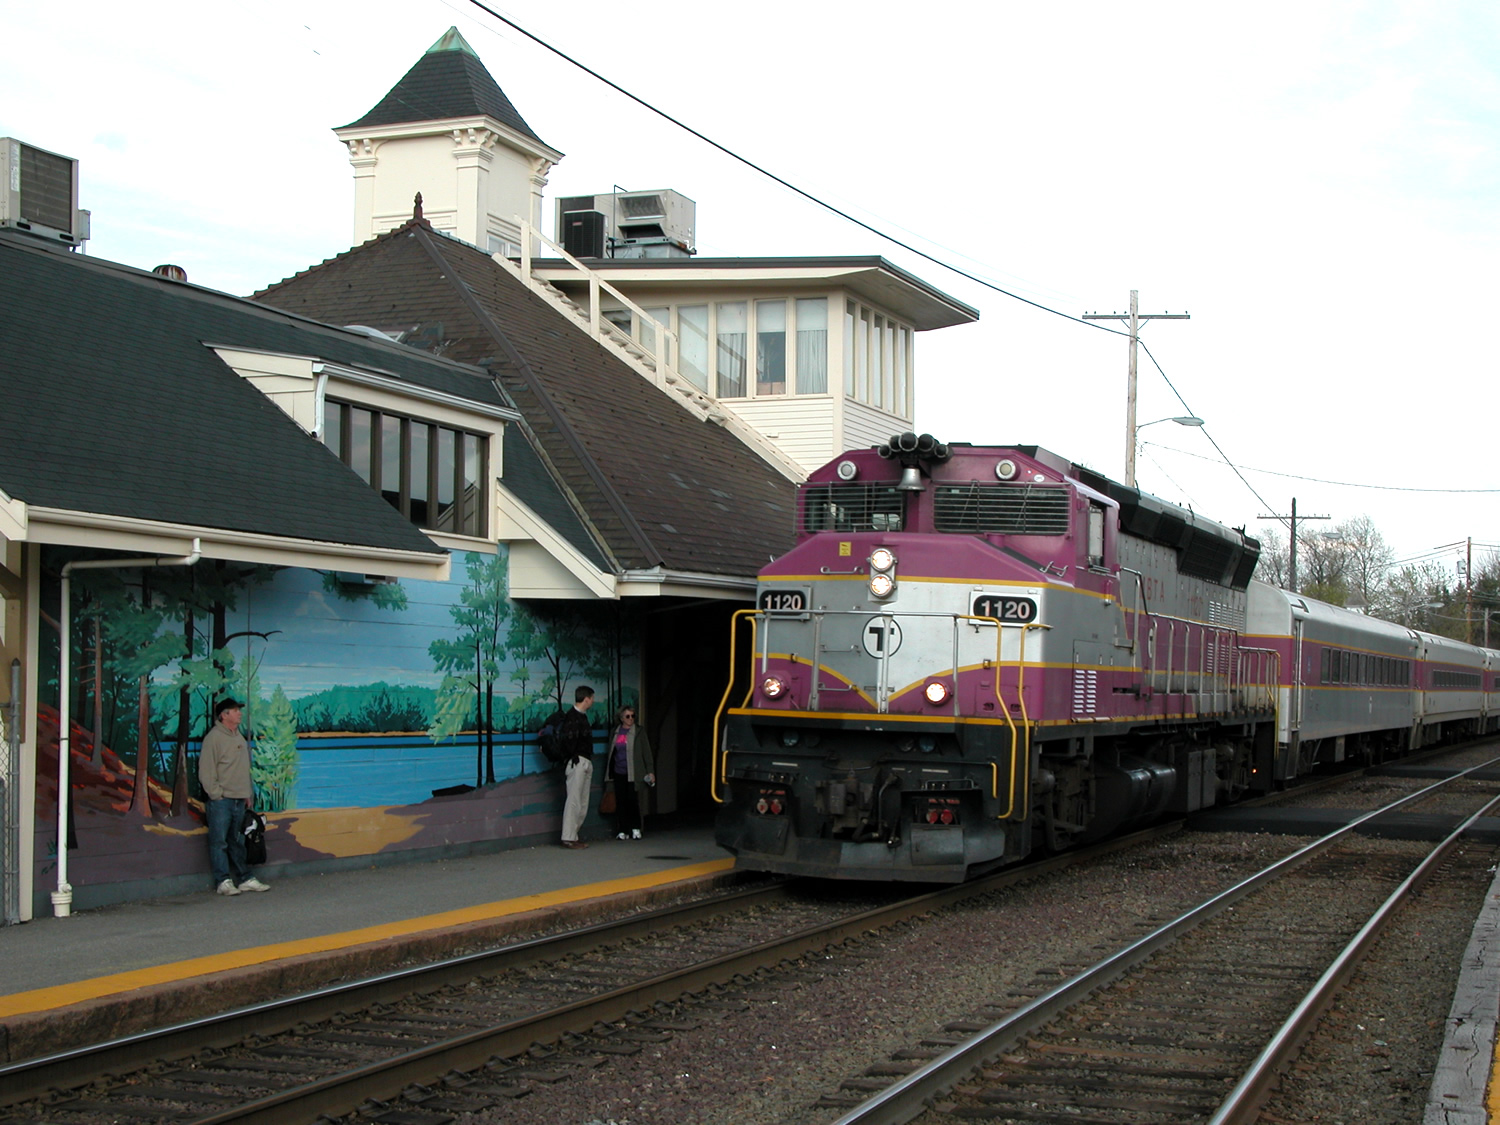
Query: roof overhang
column 375, row 134
column 544, row 565
column 20, row 522
column 873, row 278
column 659, row 582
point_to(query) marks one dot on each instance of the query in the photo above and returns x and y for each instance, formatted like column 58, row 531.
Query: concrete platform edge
column 28, row 1035
column 1465, row 1063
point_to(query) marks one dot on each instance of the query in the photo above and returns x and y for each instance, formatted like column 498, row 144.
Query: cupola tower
column 448, row 131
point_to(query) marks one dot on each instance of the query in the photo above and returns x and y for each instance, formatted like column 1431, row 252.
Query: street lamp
column 1181, row 420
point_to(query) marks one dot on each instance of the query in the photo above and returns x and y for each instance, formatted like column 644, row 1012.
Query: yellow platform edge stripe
column 61, row 995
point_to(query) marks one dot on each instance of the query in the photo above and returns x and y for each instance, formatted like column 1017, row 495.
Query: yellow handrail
column 715, row 763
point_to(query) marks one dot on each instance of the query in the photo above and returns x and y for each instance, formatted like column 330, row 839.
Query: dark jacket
column 575, row 735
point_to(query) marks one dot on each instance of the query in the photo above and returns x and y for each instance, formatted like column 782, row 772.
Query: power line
column 809, row 196
column 1336, row 483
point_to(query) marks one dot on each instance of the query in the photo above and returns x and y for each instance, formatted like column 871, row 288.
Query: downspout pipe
column 62, row 898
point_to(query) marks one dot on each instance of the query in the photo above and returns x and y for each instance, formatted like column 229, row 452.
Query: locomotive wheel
column 1234, row 770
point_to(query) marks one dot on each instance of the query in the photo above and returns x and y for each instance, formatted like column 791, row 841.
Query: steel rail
column 342, row 1093
column 1243, row 1104
column 912, row 1095
column 28, row 1078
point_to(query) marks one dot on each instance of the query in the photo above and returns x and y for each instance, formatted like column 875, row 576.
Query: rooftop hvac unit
column 636, row 223
column 656, row 216
column 584, row 233
column 39, row 193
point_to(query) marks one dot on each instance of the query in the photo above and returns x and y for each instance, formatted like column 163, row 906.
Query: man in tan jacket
column 224, row 773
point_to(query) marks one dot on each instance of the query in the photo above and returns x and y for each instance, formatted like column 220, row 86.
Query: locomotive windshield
column 851, row 507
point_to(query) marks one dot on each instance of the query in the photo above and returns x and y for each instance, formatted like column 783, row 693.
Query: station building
column 402, row 502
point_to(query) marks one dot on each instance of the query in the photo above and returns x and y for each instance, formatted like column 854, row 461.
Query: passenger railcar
column 975, row 651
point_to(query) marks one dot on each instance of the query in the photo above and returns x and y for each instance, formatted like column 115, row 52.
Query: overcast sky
column 1316, row 184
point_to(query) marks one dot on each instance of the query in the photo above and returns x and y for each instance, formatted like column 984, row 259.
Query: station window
column 432, row 474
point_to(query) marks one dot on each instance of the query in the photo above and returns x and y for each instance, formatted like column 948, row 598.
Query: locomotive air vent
column 1001, row 509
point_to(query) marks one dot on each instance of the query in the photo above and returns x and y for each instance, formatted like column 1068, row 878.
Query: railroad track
column 487, row 1027
column 1192, row 1023
column 531, row 1012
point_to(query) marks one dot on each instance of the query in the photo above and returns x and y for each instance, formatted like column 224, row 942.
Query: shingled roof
column 660, row 487
column 116, row 404
column 448, row 81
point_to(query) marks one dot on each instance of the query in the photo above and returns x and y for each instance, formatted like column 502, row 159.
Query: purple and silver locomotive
column 976, row 651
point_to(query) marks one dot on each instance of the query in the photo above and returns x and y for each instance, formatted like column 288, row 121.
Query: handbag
column 255, row 839
column 607, row 802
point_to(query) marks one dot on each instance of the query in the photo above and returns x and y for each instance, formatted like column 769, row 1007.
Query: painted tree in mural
column 147, row 620
column 572, row 643
column 206, row 668
column 471, row 659
column 527, row 647
column 136, row 627
column 273, row 768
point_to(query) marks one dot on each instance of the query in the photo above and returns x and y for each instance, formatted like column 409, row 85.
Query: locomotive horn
column 906, row 442
column 925, row 445
column 885, row 451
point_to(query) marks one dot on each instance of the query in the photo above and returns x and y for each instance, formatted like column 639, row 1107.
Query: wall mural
column 382, row 716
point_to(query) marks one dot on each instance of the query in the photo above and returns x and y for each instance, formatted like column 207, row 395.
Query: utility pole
column 1133, row 319
column 1294, row 517
column 1469, row 594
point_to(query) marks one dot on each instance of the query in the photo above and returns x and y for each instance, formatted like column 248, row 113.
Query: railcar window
column 1446, row 678
column 851, row 507
column 1000, row 509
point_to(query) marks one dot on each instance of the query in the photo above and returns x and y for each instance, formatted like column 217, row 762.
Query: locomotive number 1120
column 1006, row 608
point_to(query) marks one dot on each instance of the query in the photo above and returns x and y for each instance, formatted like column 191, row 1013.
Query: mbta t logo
column 881, row 636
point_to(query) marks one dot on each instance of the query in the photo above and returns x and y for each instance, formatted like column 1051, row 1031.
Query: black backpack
column 550, row 742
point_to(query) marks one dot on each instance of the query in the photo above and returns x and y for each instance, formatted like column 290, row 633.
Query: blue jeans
column 226, row 840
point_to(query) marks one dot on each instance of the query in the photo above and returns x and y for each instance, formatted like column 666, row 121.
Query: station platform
column 124, row 968
column 105, row 973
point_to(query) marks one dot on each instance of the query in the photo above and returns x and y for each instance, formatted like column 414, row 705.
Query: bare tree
column 1274, row 567
column 1417, row 597
column 1323, row 568
column 1367, row 560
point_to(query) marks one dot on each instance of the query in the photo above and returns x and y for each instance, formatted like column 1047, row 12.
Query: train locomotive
column 974, row 652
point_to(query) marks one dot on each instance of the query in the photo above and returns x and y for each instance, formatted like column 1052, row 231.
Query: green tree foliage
column 382, row 595
column 367, row 708
column 471, row 659
column 273, row 767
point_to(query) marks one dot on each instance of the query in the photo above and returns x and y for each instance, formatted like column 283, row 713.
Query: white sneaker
column 635, row 834
column 253, row 884
column 227, row 887
column 622, row 836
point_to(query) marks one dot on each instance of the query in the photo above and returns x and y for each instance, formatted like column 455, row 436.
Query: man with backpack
column 575, row 747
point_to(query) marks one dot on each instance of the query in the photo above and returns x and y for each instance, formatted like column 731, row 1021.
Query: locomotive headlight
column 1006, row 469
column 881, row 585
column 773, row 687
column 882, row 559
column 847, row 470
column 936, row 692
column 790, row 738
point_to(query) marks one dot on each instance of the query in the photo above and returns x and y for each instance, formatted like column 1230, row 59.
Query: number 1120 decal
column 1008, row 609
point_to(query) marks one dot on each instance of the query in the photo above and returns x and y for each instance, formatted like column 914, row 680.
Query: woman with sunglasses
column 632, row 771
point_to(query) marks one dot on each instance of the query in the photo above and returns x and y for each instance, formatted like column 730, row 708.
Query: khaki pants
column 580, row 775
